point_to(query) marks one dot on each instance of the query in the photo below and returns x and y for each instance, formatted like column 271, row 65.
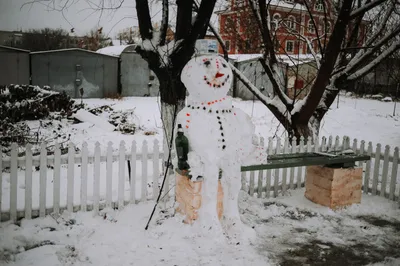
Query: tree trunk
column 172, row 94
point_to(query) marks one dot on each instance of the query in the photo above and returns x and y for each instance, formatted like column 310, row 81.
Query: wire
column 167, row 166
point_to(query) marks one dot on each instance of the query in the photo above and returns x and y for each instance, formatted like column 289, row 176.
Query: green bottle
column 182, row 149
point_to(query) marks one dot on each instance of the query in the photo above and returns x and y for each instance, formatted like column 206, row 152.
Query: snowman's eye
column 207, row 63
column 223, row 65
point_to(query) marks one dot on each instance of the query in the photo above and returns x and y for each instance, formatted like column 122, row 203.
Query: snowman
column 220, row 138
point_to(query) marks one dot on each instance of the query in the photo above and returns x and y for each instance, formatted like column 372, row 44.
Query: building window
column 319, row 6
column 247, row 45
column 310, row 26
column 228, row 45
column 275, row 22
column 328, row 27
column 291, row 22
column 240, row 3
column 289, row 46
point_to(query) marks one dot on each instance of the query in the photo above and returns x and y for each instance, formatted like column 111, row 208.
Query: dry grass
column 113, row 96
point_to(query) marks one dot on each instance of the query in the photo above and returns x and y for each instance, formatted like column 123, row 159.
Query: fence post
column 43, row 177
column 385, row 170
column 300, row 169
column 156, row 170
column 133, row 173
column 144, row 171
column 56, row 176
column 28, row 181
column 376, row 169
column 367, row 169
column 70, row 177
column 109, row 167
column 121, row 174
column 14, row 182
column 269, row 176
column 277, row 171
column 84, row 176
column 294, row 143
column 395, row 165
column 96, row 179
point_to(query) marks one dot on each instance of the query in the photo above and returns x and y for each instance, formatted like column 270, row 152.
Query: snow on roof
column 297, row 59
column 69, row 49
column 14, row 49
column 115, row 50
column 286, row 4
column 244, row 57
column 291, row 60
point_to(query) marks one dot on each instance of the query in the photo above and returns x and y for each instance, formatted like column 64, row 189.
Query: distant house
column 70, row 70
column 289, row 19
column 14, row 66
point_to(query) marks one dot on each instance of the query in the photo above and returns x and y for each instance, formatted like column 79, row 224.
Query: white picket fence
column 380, row 175
column 34, row 186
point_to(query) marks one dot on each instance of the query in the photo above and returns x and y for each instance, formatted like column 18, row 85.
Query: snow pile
column 86, row 116
column 22, row 103
column 290, row 231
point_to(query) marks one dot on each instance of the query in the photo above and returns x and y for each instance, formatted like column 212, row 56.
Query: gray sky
column 77, row 15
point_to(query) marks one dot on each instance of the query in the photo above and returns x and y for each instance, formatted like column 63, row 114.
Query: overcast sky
column 77, row 15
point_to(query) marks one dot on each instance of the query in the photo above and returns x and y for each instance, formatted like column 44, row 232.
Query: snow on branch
column 275, row 102
column 365, row 70
column 361, row 11
column 362, row 56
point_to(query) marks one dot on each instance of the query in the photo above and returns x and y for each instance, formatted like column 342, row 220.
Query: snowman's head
column 207, row 77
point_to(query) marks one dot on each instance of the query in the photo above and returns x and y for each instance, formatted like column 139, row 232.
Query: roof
column 244, row 57
column 69, row 50
column 117, row 50
column 285, row 4
column 14, row 49
column 287, row 59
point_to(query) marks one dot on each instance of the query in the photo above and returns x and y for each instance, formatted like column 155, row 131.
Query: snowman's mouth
column 218, row 75
column 216, row 83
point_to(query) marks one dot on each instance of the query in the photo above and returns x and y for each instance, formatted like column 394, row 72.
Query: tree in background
column 342, row 59
column 45, row 39
column 128, row 35
column 95, row 40
column 167, row 59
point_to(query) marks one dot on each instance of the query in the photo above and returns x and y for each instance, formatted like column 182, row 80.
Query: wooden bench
column 331, row 180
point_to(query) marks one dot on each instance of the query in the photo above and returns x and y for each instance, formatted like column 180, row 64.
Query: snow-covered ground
column 364, row 119
column 289, row 230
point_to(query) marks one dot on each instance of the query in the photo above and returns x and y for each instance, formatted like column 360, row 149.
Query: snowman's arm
column 248, row 129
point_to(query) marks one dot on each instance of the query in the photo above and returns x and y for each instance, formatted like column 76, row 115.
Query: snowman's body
column 216, row 133
column 220, row 137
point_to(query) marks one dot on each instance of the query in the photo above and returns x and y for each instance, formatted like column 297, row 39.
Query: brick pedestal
column 333, row 187
column 188, row 196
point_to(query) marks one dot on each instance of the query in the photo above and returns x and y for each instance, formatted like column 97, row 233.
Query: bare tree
column 95, row 39
column 44, row 39
column 341, row 61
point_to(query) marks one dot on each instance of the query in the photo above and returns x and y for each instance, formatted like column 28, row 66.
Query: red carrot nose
column 218, row 75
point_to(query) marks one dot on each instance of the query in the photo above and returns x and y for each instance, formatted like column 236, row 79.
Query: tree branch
column 365, row 70
column 359, row 60
column 143, row 13
column 164, row 22
column 274, row 105
column 361, row 11
column 333, row 49
column 183, row 19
